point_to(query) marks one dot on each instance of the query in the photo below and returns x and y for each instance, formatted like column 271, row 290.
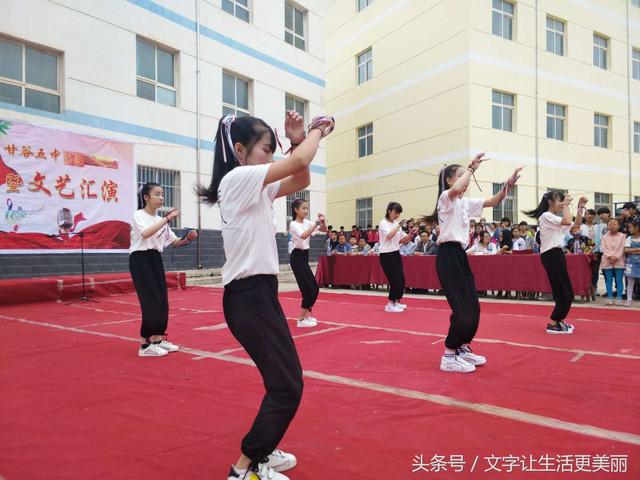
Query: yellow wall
column 435, row 64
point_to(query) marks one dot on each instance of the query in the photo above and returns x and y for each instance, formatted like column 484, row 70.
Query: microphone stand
column 84, row 297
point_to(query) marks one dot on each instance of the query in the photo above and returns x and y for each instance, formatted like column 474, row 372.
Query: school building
column 417, row 84
column 160, row 74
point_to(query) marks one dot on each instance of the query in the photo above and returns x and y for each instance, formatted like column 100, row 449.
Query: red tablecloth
column 492, row 272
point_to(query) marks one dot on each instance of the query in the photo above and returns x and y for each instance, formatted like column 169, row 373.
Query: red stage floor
column 78, row 403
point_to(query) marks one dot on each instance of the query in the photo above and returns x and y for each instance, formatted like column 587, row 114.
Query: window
column 502, row 112
column 601, row 131
column 294, row 26
column 555, row 121
column 169, row 180
column 602, row 200
column 362, row 4
column 156, row 73
column 365, row 140
column 509, row 207
column 636, row 137
column 305, row 195
column 635, row 63
column 600, row 51
column 364, row 62
column 555, row 36
column 293, row 103
column 237, row 8
column 364, row 212
column 502, row 22
column 635, row 2
column 29, row 76
column 235, row 95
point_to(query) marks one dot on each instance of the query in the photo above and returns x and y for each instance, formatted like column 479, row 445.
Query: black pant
column 459, row 287
column 149, row 279
column 306, row 280
column 555, row 264
column 392, row 266
column 595, row 269
column 256, row 320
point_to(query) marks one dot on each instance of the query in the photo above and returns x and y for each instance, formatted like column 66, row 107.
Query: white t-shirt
column 552, row 232
column 158, row 241
column 480, row 249
column 388, row 245
column 454, row 216
column 248, row 223
column 519, row 244
column 588, row 231
column 296, row 229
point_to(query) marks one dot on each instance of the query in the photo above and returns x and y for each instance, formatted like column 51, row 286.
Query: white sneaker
column 619, row 303
column 401, row 305
column 627, row 303
column 391, row 308
column 455, row 363
column 609, row 302
column 281, row 461
column 468, row 356
column 168, row 346
column 307, row 323
column 153, row 350
column 262, row 472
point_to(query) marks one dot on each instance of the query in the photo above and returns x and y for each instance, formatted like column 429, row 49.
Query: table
column 523, row 273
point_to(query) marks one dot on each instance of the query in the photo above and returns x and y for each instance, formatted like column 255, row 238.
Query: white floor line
column 102, row 310
column 490, row 340
column 577, row 357
column 487, row 409
column 108, row 323
column 218, row 326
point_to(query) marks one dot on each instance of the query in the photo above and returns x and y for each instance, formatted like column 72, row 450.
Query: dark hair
column 602, row 210
column 245, row 130
column 145, row 190
column 591, row 211
column 353, row 236
column 369, row 226
column 507, row 239
column 330, row 227
column 297, row 203
column 506, row 219
column 523, row 224
column 629, row 205
column 446, row 173
column 342, row 227
column 393, row 207
column 354, row 226
column 543, row 206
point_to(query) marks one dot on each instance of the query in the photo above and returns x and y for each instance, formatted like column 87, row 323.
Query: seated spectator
column 425, row 245
column 343, row 247
column 579, row 243
column 332, row 242
column 376, row 249
column 527, row 235
column 518, row 242
column 436, row 232
column 353, row 241
column 484, row 247
column 476, row 236
column 505, row 238
column 407, row 249
column 361, row 248
column 483, row 224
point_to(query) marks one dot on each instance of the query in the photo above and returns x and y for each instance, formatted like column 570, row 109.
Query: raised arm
column 500, row 196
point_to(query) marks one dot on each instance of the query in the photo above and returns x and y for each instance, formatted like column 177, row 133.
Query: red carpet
column 78, row 403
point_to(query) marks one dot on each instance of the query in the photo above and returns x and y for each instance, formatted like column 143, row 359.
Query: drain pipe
column 199, row 204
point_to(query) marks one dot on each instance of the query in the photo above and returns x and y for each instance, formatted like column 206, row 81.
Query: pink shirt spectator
column 612, row 245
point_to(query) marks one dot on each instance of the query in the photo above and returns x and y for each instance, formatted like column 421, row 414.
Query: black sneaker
column 560, row 328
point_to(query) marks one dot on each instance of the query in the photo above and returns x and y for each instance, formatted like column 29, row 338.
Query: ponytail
column 231, row 130
column 543, row 206
column 444, row 174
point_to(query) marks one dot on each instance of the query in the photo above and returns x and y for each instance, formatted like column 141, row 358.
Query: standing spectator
column 629, row 210
column 476, row 236
column 483, row 224
column 632, row 250
column 373, row 236
column 612, row 247
column 355, row 232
